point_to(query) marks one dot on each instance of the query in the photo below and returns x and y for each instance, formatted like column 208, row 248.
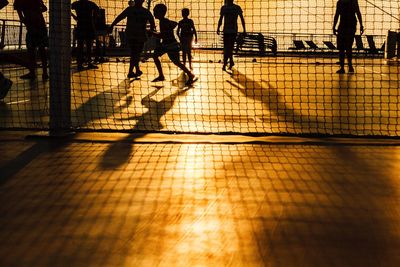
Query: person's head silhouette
column 229, row 2
column 159, row 11
column 185, row 12
column 139, row 2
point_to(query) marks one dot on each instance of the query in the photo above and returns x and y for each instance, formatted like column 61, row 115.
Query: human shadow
column 119, row 152
column 264, row 92
column 103, row 105
column 338, row 217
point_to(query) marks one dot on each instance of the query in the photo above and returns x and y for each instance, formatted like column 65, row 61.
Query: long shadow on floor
column 119, row 152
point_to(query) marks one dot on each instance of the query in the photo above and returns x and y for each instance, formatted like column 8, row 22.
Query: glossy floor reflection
column 124, row 204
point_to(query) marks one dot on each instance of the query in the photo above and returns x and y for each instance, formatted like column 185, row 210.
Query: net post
column 60, row 62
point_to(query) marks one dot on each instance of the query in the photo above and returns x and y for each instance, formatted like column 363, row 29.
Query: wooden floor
column 295, row 95
column 120, row 203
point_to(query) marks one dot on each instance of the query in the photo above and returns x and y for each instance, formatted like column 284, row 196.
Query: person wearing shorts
column 86, row 12
column 168, row 44
column 229, row 14
column 348, row 11
column 138, row 18
column 30, row 13
column 186, row 31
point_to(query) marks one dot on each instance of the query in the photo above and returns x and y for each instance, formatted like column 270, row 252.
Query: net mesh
column 284, row 80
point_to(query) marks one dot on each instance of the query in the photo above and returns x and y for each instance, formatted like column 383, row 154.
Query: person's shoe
column 131, row 75
column 45, row 76
column 191, row 80
column 351, row 69
column 224, row 67
column 92, row 66
column 159, row 79
column 139, row 73
column 5, row 86
column 28, row 76
column 341, row 71
column 231, row 66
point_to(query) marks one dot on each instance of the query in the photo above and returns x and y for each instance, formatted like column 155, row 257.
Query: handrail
column 207, row 39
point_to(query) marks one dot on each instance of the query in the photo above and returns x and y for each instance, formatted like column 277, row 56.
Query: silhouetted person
column 30, row 13
column 230, row 13
column 346, row 10
column 186, row 31
column 168, row 44
column 86, row 12
column 138, row 18
column 5, row 84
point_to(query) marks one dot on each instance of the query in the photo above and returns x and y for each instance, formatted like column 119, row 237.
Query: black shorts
column 85, row 33
column 229, row 40
column 35, row 39
column 186, row 43
column 345, row 39
column 136, row 46
column 172, row 50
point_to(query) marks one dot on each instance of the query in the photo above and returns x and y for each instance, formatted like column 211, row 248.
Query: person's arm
column 73, row 15
column 243, row 22
column 43, row 7
column 21, row 16
column 359, row 17
column 118, row 19
column 173, row 24
column 221, row 17
column 152, row 22
column 335, row 19
column 194, row 32
column 178, row 31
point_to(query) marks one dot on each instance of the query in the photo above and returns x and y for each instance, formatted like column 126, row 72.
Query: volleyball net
column 284, row 79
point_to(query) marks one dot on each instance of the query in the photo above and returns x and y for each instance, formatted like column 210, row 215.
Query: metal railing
column 13, row 38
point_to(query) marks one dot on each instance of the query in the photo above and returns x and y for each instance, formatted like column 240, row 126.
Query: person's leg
column 158, row 52
column 189, row 52
column 159, row 69
column 43, row 58
column 79, row 53
column 349, row 51
column 31, row 49
column 131, row 74
column 5, row 85
column 174, row 56
column 136, row 57
column 341, row 61
column 89, row 46
column 184, row 55
column 341, row 47
column 226, row 54
column 231, row 46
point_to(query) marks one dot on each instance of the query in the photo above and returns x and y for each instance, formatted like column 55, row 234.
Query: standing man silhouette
column 138, row 18
column 349, row 12
column 86, row 12
column 30, row 13
column 230, row 13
